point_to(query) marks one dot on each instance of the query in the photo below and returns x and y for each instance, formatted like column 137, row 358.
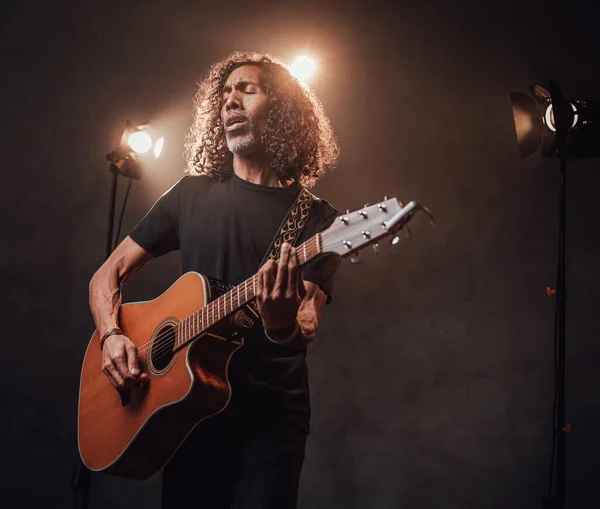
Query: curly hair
column 297, row 135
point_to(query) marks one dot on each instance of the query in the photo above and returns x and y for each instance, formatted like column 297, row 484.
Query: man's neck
column 256, row 168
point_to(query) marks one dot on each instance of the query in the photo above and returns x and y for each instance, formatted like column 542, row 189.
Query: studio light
column 126, row 160
column 142, row 138
column 303, row 68
column 546, row 120
column 135, row 141
column 568, row 129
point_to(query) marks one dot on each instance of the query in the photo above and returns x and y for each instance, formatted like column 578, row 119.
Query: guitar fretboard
column 242, row 294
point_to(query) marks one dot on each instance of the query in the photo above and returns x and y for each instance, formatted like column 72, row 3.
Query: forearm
column 105, row 286
column 105, row 299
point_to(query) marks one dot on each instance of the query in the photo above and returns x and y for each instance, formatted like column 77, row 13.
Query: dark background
column 433, row 374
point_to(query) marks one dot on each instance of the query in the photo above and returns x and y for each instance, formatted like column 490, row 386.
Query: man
column 258, row 136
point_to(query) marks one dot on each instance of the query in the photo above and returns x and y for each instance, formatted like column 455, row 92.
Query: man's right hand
column 120, row 362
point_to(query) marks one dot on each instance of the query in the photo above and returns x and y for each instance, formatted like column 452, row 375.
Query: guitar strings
column 162, row 342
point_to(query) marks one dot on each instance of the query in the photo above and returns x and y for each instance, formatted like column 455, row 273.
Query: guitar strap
column 292, row 225
column 289, row 231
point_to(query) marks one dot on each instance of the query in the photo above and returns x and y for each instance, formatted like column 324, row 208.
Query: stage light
column 546, row 119
column 136, row 141
column 303, row 68
column 140, row 142
column 567, row 129
column 127, row 160
column 141, row 139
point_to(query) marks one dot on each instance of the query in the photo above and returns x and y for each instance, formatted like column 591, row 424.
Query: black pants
column 225, row 465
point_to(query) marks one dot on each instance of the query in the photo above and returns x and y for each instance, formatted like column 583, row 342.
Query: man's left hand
column 279, row 291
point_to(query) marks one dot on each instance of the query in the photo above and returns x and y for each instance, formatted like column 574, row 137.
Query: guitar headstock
column 355, row 230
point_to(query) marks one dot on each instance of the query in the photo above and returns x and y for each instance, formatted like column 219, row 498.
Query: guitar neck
column 235, row 298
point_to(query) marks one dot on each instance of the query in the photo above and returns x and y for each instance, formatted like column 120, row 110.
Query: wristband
column 111, row 332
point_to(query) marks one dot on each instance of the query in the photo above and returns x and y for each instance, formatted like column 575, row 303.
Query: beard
column 244, row 140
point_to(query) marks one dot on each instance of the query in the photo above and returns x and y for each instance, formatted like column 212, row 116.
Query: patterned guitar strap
column 289, row 231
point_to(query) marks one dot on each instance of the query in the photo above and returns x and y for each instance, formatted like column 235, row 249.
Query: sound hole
column 162, row 347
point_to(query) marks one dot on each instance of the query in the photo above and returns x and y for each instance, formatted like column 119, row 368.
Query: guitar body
column 134, row 433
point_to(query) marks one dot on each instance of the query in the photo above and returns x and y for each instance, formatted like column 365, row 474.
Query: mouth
column 234, row 127
column 234, row 122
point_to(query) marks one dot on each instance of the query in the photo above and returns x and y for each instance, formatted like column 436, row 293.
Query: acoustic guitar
column 185, row 342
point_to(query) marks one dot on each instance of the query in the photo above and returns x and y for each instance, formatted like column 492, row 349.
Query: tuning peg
column 396, row 238
column 365, row 205
column 355, row 258
column 385, row 198
column 376, row 248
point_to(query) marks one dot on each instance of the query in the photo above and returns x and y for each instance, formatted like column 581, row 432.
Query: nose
column 233, row 102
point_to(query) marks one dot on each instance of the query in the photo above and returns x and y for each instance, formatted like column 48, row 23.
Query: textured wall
column 433, row 374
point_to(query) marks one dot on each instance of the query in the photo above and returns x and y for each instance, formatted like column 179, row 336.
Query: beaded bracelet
column 109, row 333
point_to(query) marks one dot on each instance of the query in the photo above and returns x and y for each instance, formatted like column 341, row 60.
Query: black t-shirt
column 223, row 230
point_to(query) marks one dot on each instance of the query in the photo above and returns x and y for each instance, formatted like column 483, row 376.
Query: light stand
column 111, row 213
column 561, row 428
column 122, row 162
column 563, row 119
column 565, row 129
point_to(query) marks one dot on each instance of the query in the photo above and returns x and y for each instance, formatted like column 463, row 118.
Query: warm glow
column 140, row 142
column 303, row 68
column 158, row 146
